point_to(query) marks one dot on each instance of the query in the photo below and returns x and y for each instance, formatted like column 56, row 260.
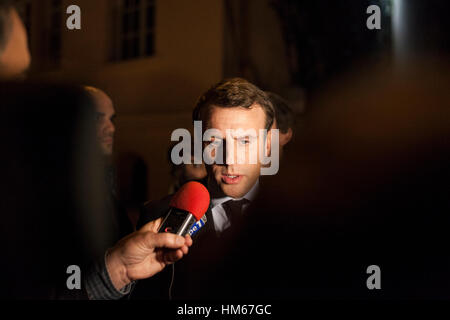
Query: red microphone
column 186, row 207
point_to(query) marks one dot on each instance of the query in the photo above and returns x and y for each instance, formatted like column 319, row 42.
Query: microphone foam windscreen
column 192, row 197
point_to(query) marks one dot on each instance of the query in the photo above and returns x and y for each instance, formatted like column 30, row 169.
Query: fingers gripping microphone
column 186, row 208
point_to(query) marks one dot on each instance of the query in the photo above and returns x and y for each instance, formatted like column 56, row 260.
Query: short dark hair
column 283, row 112
column 234, row 92
column 5, row 21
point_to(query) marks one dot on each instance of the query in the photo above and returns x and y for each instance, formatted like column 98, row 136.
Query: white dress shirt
column 220, row 218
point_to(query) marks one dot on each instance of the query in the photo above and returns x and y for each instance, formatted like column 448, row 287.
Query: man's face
column 284, row 138
column 105, row 122
column 232, row 178
column 15, row 58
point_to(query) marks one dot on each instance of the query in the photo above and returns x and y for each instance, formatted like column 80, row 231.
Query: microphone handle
column 177, row 221
column 197, row 226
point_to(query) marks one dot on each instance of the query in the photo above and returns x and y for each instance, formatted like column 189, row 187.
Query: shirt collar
column 249, row 196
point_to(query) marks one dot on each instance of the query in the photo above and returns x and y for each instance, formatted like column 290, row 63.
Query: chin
column 233, row 191
column 107, row 150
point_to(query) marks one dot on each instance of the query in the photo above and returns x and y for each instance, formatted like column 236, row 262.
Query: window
column 135, row 29
column 43, row 20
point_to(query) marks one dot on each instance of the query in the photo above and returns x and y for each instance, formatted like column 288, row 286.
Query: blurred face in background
column 194, row 171
column 284, row 137
column 105, row 114
column 15, row 56
column 231, row 178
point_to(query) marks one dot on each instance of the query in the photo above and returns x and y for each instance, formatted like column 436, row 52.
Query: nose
column 229, row 152
column 110, row 127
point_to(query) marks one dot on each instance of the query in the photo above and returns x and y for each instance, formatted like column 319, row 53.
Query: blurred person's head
column 234, row 104
column 185, row 172
column 284, row 118
column 105, row 115
column 14, row 54
column 193, row 171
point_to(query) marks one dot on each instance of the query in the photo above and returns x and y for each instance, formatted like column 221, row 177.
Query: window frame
column 143, row 30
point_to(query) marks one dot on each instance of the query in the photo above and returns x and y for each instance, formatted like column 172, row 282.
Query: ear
column 269, row 143
column 285, row 137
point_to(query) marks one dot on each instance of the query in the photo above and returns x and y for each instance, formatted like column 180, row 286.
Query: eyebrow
column 245, row 136
column 103, row 115
column 235, row 137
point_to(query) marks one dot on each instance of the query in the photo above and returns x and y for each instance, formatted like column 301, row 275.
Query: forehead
column 103, row 103
column 223, row 118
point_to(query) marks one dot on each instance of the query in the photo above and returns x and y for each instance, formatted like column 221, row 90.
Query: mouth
column 231, row 178
column 107, row 140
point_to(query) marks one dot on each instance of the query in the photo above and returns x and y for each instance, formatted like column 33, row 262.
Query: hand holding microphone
column 146, row 252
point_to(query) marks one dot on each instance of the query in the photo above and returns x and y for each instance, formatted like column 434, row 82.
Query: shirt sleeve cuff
column 99, row 286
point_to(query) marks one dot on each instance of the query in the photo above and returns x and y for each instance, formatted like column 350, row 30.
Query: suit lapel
column 208, row 230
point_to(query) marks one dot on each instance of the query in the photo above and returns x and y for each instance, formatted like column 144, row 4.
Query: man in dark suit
column 237, row 111
column 105, row 115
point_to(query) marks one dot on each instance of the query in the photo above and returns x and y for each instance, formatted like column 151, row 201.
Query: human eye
column 244, row 141
column 99, row 116
column 216, row 142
